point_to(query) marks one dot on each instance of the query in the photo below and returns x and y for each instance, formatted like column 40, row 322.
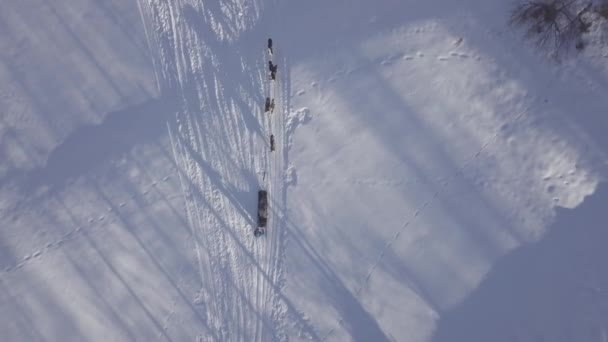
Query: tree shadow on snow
column 551, row 290
column 93, row 145
column 354, row 317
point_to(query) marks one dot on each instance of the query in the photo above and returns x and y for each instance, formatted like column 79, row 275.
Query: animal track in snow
column 37, row 254
column 291, row 177
column 459, row 54
column 419, row 210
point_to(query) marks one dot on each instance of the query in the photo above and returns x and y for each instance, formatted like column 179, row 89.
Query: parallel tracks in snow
column 215, row 152
column 218, row 156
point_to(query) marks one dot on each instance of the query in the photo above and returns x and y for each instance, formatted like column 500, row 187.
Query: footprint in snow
column 392, row 58
column 291, row 178
column 459, row 54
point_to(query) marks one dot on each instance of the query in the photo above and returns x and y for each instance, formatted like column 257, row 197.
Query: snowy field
column 435, row 177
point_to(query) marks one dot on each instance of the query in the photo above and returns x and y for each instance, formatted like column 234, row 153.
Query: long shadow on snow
column 478, row 221
column 7, row 254
column 230, row 278
column 239, row 199
column 476, row 229
column 149, row 315
column 212, row 107
column 90, row 275
column 237, row 238
column 249, row 255
column 21, row 322
column 97, row 285
column 403, row 149
column 232, row 60
column 44, row 313
column 45, row 96
column 551, row 289
column 359, row 323
column 179, row 264
column 90, row 146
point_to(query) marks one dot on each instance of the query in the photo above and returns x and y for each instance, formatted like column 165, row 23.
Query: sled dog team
column 269, row 104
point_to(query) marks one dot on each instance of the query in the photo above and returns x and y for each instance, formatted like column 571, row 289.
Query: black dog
column 272, row 142
column 273, row 70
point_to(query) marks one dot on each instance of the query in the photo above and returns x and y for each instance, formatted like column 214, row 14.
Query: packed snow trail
column 220, row 141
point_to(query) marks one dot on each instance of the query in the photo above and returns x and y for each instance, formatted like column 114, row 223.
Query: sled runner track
column 262, row 156
column 279, row 238
column 209, row 168
column 240, row 275
column 217, row 152
column 276, row 232
column 268, row 244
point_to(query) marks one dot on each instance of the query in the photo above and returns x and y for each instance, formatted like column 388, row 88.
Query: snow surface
column 435, row 177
